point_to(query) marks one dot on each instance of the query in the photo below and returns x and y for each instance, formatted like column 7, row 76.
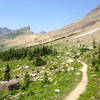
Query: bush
column 30, row 93
column 39, row 62
column 45, row 80
column 27, row 80
column 7, row 73
column 97, row 68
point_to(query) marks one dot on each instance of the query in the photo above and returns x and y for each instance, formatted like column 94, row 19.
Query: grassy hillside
column 57, row 74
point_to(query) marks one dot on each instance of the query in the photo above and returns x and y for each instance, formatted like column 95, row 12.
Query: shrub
column 30, row 93
column 39, row 62
column 7, row 73
column 45, row 80
column 27, row 80
column 97, row 68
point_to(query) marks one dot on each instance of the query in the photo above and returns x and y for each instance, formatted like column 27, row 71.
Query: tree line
column 12, row 54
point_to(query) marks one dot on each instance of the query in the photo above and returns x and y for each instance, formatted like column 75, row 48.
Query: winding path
column 80, row 88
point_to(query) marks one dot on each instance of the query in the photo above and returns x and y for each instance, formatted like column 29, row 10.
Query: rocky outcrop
column 9, row 85
column 26, row 28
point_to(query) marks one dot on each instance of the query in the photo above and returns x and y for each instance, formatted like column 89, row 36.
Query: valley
column 63, row 64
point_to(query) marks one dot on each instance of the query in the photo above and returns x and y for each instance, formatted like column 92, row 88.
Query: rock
column 67, row 53
column 78, row 54
column 55, row 82
column 63, row 63
column 91, row 48
column 26, row 67
column 57, row 90
column 1, row 69
column 70, row 60
column 50, row 79
column 78, row 73
column 9, row 85
column 94, row 76
column 18, row 69
column 33, row 75
column 58, row 56
column 70, row 68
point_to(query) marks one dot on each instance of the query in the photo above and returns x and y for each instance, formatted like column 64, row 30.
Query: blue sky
column 42, row 15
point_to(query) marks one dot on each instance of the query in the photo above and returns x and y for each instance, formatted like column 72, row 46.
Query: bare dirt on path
column 80, row 88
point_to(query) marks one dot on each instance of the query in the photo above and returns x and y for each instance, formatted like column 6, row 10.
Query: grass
column 56, row 68
column 92, row 91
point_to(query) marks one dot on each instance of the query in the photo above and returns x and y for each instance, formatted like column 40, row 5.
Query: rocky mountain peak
column 26, row 28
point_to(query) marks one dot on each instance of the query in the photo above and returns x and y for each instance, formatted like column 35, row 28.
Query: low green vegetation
column 43, row 72
column 92, row 58
column 48, row 73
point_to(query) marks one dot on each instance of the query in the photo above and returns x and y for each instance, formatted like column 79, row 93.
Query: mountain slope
column 24, row 37
column 7, row 40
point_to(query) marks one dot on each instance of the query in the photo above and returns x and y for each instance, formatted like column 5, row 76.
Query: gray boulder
column 9, row 85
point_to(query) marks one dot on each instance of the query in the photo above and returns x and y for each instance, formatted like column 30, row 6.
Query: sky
column 43, row 15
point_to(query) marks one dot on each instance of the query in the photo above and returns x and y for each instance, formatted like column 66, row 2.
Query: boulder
column 9, row 85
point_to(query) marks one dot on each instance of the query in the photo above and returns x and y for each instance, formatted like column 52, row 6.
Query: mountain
column 42, row 32
column 88, row 24
column 4, row 30
column 15, row 38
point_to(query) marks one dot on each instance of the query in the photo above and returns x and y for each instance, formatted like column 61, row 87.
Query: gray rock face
column 4, row 30
column 9, row 85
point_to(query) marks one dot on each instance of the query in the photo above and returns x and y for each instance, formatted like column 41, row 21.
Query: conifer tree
column 7, row 73
column 94, row 44
column 27, row 80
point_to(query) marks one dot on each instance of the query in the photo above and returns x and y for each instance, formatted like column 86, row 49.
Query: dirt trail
column 80, row 88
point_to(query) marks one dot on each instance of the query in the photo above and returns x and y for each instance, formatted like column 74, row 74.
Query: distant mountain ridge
column 5, row 30
column 42, row 32
column 14, row 34
column 24, row 37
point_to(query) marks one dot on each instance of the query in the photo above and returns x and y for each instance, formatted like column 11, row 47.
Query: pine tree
column 27, row 80
column 7, row 73
column 94, row 44
column 93, row 60
column 39, row 62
